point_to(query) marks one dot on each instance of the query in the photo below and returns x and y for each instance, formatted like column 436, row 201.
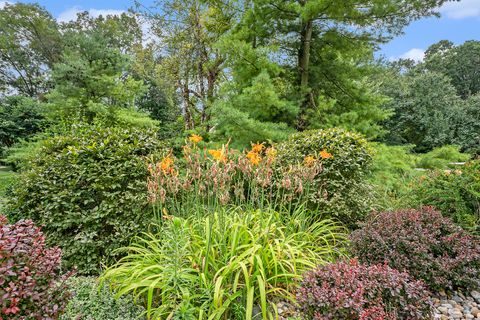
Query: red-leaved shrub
column 424, row 244
column 349, row 290
column 30, row 283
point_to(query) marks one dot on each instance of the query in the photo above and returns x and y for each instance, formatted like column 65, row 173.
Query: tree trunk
column 303, row 66
column 187, row 114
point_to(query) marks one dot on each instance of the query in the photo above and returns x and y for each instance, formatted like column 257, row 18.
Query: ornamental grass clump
column 205, row 180
column 31, row 284
column 424, row 244
column 349, row 290
column 223, row 266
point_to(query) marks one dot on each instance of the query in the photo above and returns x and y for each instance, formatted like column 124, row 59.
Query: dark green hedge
column 87, row 189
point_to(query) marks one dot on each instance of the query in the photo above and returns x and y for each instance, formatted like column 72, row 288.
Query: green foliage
column 20, row 118
column 89, row 80
column 87, row 188
column 469, row 125
column 222, row 265
column 435, row 102
column 455, row 193
column 441, row 158
column 395, row 171
column 425, row 110
column 30, row 43
column 256, row 113
column 22, row 152
column 393, row 168
column 7, row 178
column 460, row 63
column 340, row 189
column 93, row 302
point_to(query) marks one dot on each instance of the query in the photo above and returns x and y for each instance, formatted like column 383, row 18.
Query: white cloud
column 3, row 3
column 414, row 54
column 461, row 9
column 71, row 14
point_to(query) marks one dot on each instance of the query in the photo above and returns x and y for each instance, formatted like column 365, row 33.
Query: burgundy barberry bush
column 424, row 244
column 352, row 291
column 30, row 283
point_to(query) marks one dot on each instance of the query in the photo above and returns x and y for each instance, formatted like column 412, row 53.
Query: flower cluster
column 210, row 177
column 352, row 291
column 30, row 284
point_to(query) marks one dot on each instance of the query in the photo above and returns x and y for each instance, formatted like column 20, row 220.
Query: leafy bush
column 392, row 171
column 423, row 243
column 87, row 189
column 30, row 283
column 341, row 190
column 456, row 193
column 91, row 302
column 223, row 265
column 441, row 158
column 20, row 118
column 350, row 291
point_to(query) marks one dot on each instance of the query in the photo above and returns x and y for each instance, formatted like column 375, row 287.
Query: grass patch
column 6, row 179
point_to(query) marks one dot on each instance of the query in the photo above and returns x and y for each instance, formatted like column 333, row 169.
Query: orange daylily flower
column 218, row 155
column 254, row 158
column 257, row 147
column 309, row 161
column 195, row 138
column 167, row 164
column 325, row 154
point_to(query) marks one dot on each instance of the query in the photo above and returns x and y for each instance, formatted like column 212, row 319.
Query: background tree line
column 252, row 70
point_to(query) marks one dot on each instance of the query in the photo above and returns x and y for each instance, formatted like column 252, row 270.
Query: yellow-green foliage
column 340, row 189
column 222, row 265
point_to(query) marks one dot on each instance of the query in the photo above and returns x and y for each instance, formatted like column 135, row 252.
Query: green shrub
column 87, row 188
column 341, row 188
column 393, row 168
column 455, row 193
column 91, row 302
column 20, row 118
column 225, row 265
column 441, row 158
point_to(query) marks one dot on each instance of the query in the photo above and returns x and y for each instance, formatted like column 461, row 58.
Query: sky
column 460, row 22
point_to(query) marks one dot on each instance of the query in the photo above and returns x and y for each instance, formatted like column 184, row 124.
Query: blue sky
column 460, row 21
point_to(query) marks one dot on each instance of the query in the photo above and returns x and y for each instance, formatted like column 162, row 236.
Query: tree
column 468, row 133
column 460, row 63
column 20, row 118
column 425, row 109
column 123, row 32
column 186, row 33
column 30, row 43
column 91, row 80
column 325, row 45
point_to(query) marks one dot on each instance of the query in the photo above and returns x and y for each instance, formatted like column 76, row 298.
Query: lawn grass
column 6, row 178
